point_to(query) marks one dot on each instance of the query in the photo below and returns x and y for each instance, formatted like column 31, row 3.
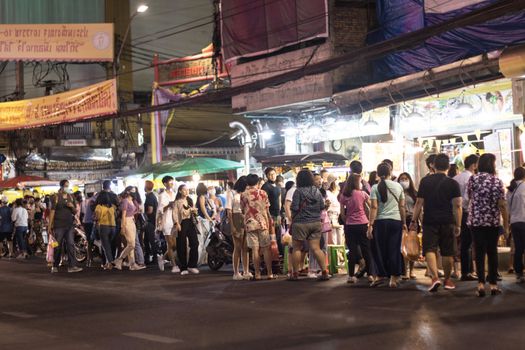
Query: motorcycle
column 219, row 248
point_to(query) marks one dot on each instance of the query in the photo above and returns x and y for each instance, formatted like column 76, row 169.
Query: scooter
column 219, row 247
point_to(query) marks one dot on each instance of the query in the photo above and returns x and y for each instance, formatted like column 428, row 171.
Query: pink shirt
column 355, row 207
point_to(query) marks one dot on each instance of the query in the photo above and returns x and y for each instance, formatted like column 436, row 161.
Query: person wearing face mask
column 61, row 225
column 405, row 180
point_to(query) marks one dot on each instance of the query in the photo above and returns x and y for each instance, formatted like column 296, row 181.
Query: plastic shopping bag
column 410, row 245
column 51, row 250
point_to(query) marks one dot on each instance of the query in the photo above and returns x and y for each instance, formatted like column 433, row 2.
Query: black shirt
column 438, row 190
column 274, row 197
column 64, row 215
column 113, row 199
column 151, row 201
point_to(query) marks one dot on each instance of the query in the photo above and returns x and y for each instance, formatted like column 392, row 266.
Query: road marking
column 19, row 314
column 152, row 337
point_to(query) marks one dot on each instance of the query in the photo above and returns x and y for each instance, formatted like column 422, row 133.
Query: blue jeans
column 20, row 234
column 67, row 233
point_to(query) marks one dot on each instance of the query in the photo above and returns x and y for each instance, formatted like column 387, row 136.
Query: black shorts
column 6, row 235
column 439, row 236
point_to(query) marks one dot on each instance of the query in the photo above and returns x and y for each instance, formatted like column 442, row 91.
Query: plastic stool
column 334, row 261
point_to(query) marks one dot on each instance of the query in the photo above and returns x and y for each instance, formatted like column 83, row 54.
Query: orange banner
column 75, row 105
column 56, row 42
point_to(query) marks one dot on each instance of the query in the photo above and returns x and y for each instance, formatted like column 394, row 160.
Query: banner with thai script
column 75, row 105
column 56, row 42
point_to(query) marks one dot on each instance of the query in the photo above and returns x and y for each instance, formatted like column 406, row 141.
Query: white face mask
column 405, row 184
column 212, row 192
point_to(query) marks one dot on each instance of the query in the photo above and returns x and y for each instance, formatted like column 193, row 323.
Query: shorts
column 439, row 236
column 6, row 235
column 259, row 238
column 306, row 231
column 238, row 224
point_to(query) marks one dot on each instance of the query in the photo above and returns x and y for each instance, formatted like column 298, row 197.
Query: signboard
column 56, row 42
column 305, row 89
column 190, row 69
column 75, row 105
column 74, row 142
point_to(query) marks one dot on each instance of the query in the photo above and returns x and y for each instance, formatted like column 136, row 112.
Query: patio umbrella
column 190, row 166
column 26, row 180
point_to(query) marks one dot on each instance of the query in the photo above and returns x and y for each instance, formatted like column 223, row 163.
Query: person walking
column 128, row 231
column 307, row 204
column 61, row 226
column 184, row 220
column 236, row 218
column 257, row 222
column 385, row 230
column 471, row 165
column 409, row 189
column 20, row 218
column 487, row 205
column 105, row 220
column 150, row 209
column 516, row 203
column 440, row 196
column 6, row 227
column 166, row 224
column 334, row 211
column 274, row 197
column 353, row 207
column 86, row 209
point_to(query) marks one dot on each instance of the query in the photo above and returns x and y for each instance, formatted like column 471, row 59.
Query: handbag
column 410, row 245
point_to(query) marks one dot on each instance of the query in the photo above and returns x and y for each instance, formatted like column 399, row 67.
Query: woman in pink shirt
column 354, row 203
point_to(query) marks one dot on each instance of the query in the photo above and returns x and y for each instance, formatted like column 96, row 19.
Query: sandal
column 376, row 283
column 255, row 278
column 495, row 291
column 293, row 277
column 271, row 277
column 480, row 293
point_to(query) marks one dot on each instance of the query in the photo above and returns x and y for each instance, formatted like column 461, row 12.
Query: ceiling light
column 142, row 8
column 371, row 122
column 266, row 132
column 415, row 114
column 464, row 108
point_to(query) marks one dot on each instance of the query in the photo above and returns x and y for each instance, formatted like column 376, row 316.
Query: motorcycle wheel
column 214, row 263
column 80, row 249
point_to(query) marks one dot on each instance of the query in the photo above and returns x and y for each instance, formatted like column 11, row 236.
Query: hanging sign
column 75, row 105
column 56, row 42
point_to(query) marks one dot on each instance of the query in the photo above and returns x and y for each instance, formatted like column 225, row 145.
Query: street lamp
column 141, row 9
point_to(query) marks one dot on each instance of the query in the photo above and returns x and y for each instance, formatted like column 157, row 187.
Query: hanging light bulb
column 414, row 114
column 464, row 108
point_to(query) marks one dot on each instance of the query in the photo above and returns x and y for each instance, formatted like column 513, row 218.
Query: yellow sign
column 56, row 42
column 75, row 105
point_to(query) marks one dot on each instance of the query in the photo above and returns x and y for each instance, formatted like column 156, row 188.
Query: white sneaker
column 160, row 262
column 136, row 267
column 351, row 279
column 54, row 269
column 175, row 269
column 194, row 270
column 312, row 275
column 238, row 277
column 247, row 276
column 118, row 264
column 184, row 273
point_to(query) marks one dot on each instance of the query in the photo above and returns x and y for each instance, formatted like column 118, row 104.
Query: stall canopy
column 189, row 167
column 26, row 180
column 303, row 159
column 397, row 17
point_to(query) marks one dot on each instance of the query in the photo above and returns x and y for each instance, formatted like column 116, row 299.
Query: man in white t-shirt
column 165, row 222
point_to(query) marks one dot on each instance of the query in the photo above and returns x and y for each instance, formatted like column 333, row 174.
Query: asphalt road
column 152, row 310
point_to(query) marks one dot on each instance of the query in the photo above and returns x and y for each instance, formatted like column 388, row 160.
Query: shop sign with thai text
column 56, row 42
column 186, row 70
column 71, row 106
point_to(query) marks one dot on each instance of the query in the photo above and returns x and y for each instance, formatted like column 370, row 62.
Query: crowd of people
column 460, row 217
